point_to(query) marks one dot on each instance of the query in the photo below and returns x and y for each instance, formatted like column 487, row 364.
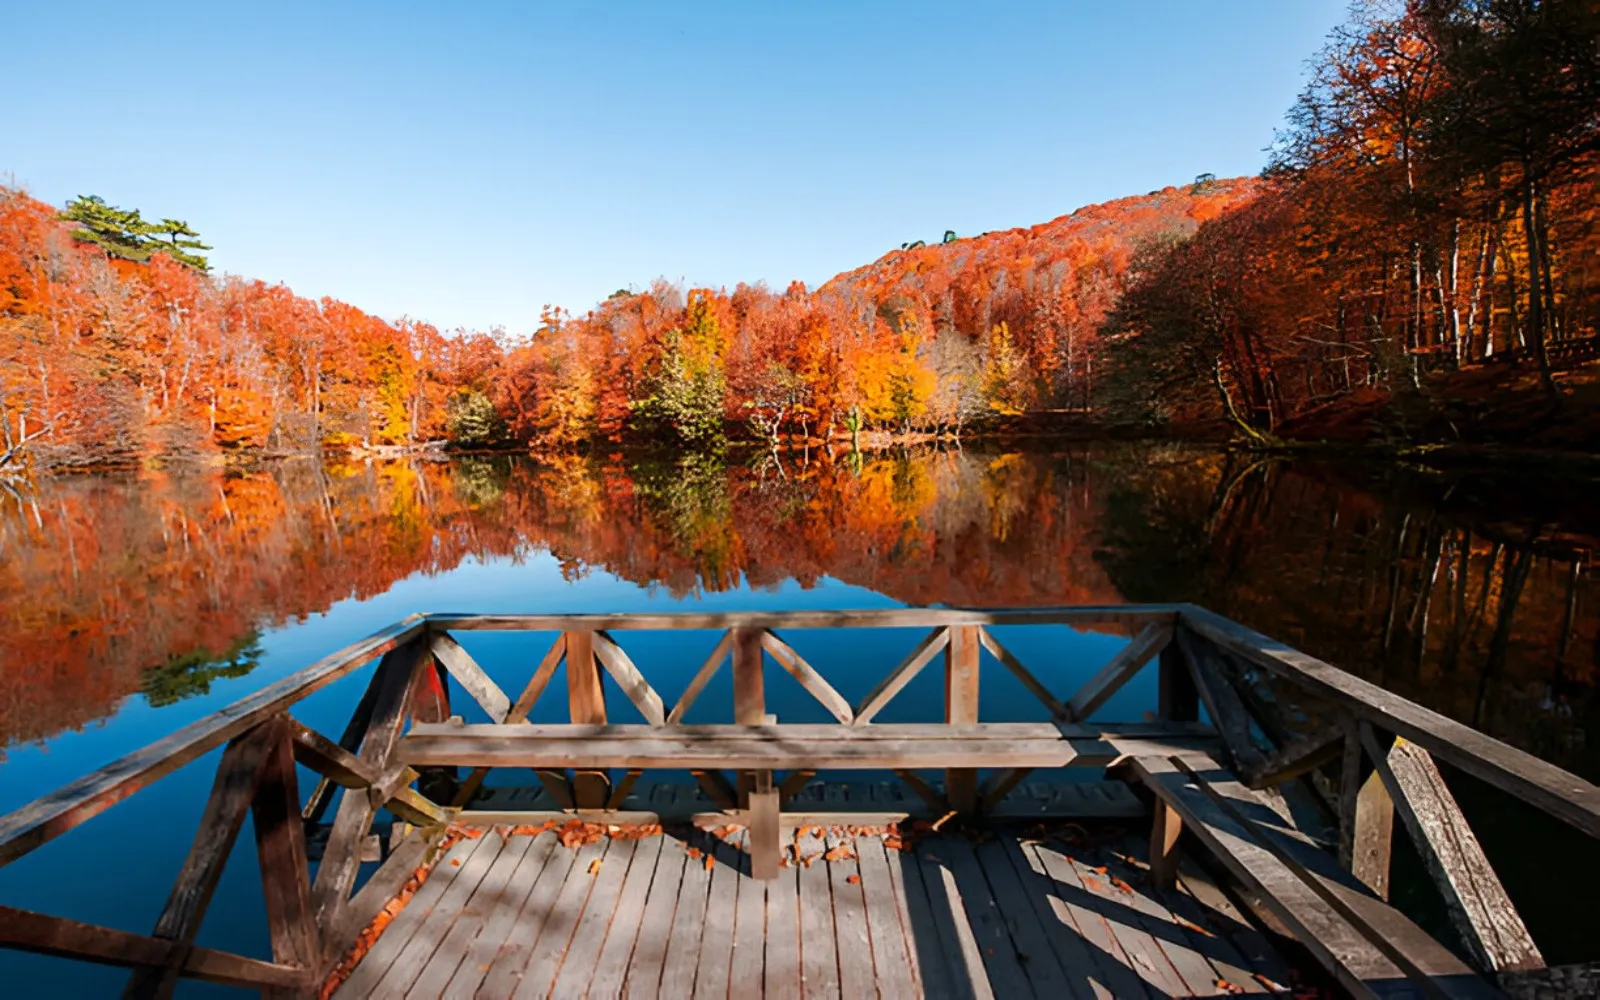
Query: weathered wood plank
column 759, row 748
column 781, row 977
column 629, row 679
column 682, row 958
column 819, row 955
column 49, row 816
column 1368, row 946
column 417, row 849
column 960, row 708
column 526, row 930
column 588, row 939
column 884, row 899
column 1011, row 663
column 500, row 921
column 537, row 975
column 807, row 675
column 1027, row 937
column 237, row 777
column 1133, row 933
column 901, row 675
column 43, row 934
column 1128, row 661
column 1371, row 845
column 851, row 936
column 716, row 941
column 1542, row 785
column 1357, row 963
column 701, row 678
column 444, row 965
column 410, row 961
column 947, row 956
column 966, row 880
column 656, row 923
column 391, row 944
column 1112, row 972
column 749, row 937
column 1054, row 922
column 1478, row 904
column 349, row 740
column 610, row 969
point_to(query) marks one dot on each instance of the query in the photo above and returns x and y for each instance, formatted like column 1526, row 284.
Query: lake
column 135, row 603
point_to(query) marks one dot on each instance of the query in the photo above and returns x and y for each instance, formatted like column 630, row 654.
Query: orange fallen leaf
column 853, row 879
column 711, row 862
column 594, row 866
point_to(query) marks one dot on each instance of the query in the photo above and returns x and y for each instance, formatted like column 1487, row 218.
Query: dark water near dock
column 133, row 604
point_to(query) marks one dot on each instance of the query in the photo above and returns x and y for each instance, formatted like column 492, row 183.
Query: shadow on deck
column 677, row 915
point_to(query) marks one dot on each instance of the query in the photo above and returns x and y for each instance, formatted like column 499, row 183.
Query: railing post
column 757, row 796
column 1178, row 700
column 1366, row 816
column 960, row 709
column 586, row 701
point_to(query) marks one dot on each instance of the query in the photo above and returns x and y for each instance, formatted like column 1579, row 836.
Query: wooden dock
column 1243, row 827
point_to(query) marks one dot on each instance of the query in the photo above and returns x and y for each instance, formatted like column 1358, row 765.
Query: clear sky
column 465, row 163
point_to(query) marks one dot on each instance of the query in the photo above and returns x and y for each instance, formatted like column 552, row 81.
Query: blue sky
column 466, row 163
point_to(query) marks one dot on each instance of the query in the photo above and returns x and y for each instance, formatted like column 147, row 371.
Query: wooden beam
column 999, row 785
column 1297, row 758
column 1108, row 614
column 1372, row 843
column 807, row 675
column 1222, row 702
column 619, row 794
column 517, row 713
column 1128, row 661
column 586, row 703
column 926, row 792
column 1477, row 902
column 1370, row 948
column 701, row 678
column 234, row 786
column 1165, row 828
column 898, row 678
column 329, row 759
column 49, row 816
column 629, row 679
column 1011, row 663
column 749, row 695
column 354, row 729
column 43, row 934
column 1542, row 785
column 469, row 675
column 766, row 847
column 281, row 854
column 961, row 708
column 341, row 858
column 717, row 788
column 792, row 783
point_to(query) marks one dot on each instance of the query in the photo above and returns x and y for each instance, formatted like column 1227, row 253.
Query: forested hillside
column 1419, row 260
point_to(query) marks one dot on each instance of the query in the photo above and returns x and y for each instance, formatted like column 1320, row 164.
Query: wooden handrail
column 46, row 818
column 1541, row 784
column 872, row 618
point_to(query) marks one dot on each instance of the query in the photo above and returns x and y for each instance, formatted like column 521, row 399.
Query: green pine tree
column 123, row 234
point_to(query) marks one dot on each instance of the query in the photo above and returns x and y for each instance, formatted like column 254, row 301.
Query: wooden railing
column 1278, row 718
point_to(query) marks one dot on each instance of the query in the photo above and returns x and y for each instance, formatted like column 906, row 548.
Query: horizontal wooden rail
column 1541, row 784
column 46, row 818
column 884, row 618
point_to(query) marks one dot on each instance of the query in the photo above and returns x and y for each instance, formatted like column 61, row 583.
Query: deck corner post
column 586, row 703
column 281, row 852
column 961, row 708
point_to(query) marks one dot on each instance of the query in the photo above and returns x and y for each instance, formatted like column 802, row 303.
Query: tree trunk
column 1536, row 310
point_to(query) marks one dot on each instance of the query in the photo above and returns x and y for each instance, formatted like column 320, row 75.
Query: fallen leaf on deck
column 853, row 879
column 594, row 866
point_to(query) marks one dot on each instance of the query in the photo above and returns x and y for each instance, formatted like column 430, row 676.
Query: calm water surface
column 133, row 604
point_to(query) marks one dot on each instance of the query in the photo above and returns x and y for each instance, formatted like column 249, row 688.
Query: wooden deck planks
column 1005, row 917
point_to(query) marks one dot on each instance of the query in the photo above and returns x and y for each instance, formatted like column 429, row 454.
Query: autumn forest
column 1420, row 260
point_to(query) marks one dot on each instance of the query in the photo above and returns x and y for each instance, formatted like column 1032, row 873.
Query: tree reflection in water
column 1469, row 593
